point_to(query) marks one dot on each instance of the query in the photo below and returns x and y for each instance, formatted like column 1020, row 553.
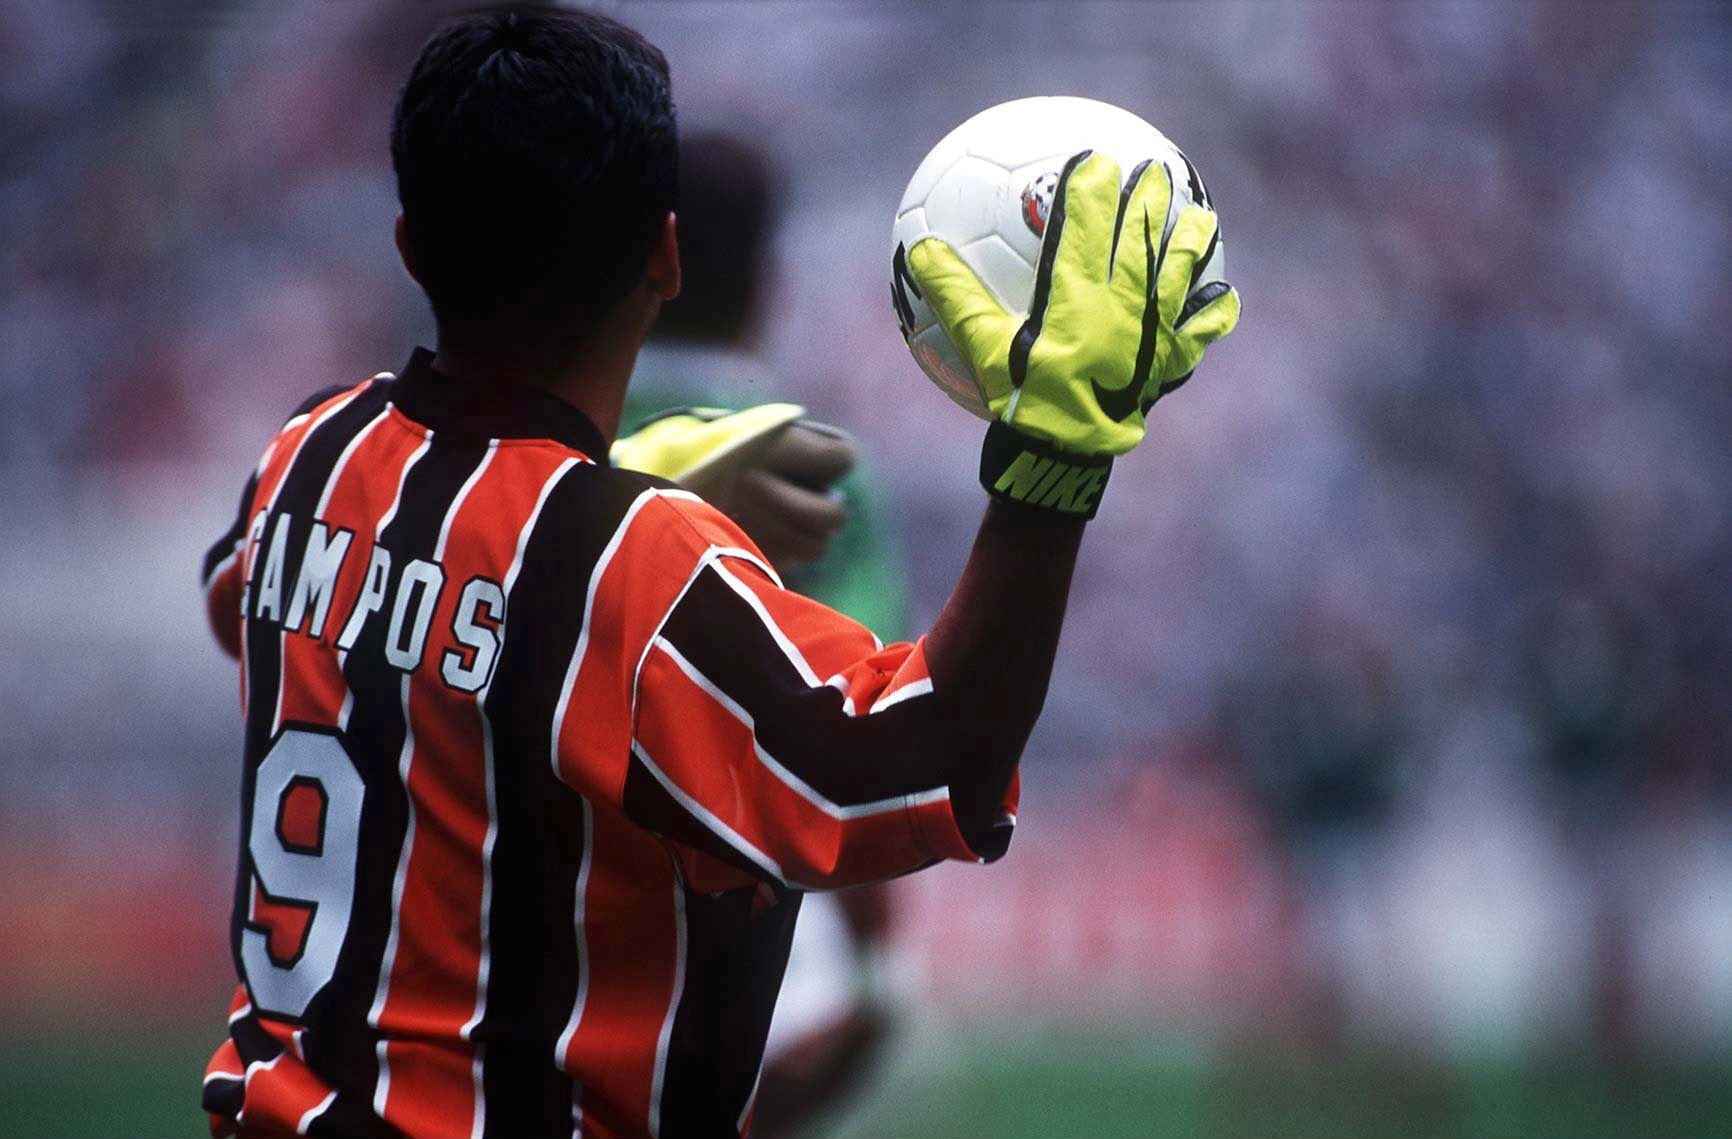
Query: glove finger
column 1209, row 323
column 1071, row 316
column 811, row 454
column 1142, row 216
column 1192, row 238
column 1085, row 207
column 1073, row 255
column 1209, row 314
column 976, row 323
column 1154, row 344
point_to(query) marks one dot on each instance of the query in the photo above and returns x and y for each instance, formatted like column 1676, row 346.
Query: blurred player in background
column 833, row 545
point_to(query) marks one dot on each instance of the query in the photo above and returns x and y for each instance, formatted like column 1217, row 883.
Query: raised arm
column 993, row 656
column 773, row 737
column 1116, row 321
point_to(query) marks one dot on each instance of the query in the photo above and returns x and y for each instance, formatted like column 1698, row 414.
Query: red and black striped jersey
column 539, row 755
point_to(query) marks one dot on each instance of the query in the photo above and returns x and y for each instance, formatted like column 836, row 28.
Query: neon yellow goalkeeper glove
column 1116, row 322
column 766, row 467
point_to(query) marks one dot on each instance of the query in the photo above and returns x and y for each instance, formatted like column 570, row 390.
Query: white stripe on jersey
column 714, row 823
column 564, row 1044
column 789, row 649
column 577, row 653
column 343, row 460
column 405, row 759
column 805, row 790
column 921, row 687
column 484, row 967
column 288, row 469
column 708, row 557
column 313, row 1113
column 462, row 493
column 661, row 1066
column 402, row 480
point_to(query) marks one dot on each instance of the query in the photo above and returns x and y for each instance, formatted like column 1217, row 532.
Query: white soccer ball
column 986, row 189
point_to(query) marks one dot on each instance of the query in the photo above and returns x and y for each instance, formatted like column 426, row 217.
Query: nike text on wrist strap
column 1025, row 471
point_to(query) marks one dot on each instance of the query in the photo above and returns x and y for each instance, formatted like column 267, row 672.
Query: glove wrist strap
column 1033, row 474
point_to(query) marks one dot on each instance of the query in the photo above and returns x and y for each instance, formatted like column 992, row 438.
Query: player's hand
column 768, row 468
column 1115, row 323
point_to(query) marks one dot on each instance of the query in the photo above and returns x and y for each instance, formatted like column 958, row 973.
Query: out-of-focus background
column 1384, row 784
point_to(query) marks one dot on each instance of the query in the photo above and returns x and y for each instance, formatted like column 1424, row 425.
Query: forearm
column 991, row 650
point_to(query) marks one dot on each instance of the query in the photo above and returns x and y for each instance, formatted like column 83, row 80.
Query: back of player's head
column 536, row 163
column 729, row 196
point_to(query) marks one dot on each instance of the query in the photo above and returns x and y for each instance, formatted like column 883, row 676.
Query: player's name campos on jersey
column 409, row 603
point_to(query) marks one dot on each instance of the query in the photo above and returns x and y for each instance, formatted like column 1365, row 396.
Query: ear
column 403, row 249
column 663, row 273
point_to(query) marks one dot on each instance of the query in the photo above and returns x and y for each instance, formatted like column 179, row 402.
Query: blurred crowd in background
column 1396, row 697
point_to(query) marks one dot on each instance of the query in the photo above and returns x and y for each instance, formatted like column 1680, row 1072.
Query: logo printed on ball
column 1037, row 202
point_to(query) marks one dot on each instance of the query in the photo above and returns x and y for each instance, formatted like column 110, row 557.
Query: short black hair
column 730, row 196
column 536, row 159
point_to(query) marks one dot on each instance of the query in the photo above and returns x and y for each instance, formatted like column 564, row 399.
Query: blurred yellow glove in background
column 700, row 443
column 766, row 467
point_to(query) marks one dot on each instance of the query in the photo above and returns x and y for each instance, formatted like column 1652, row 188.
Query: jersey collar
column 494, row 411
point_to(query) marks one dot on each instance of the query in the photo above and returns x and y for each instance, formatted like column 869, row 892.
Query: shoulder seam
column 742, row 554
column 325, row 394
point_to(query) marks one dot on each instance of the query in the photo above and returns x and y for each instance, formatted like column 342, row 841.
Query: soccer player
column 539, row 753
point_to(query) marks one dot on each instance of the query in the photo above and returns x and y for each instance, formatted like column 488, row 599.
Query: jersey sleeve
column 223, row 571
column 768, row 732
column 222, row 577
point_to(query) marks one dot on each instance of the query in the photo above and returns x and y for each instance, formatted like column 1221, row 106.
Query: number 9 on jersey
column 303, row 842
